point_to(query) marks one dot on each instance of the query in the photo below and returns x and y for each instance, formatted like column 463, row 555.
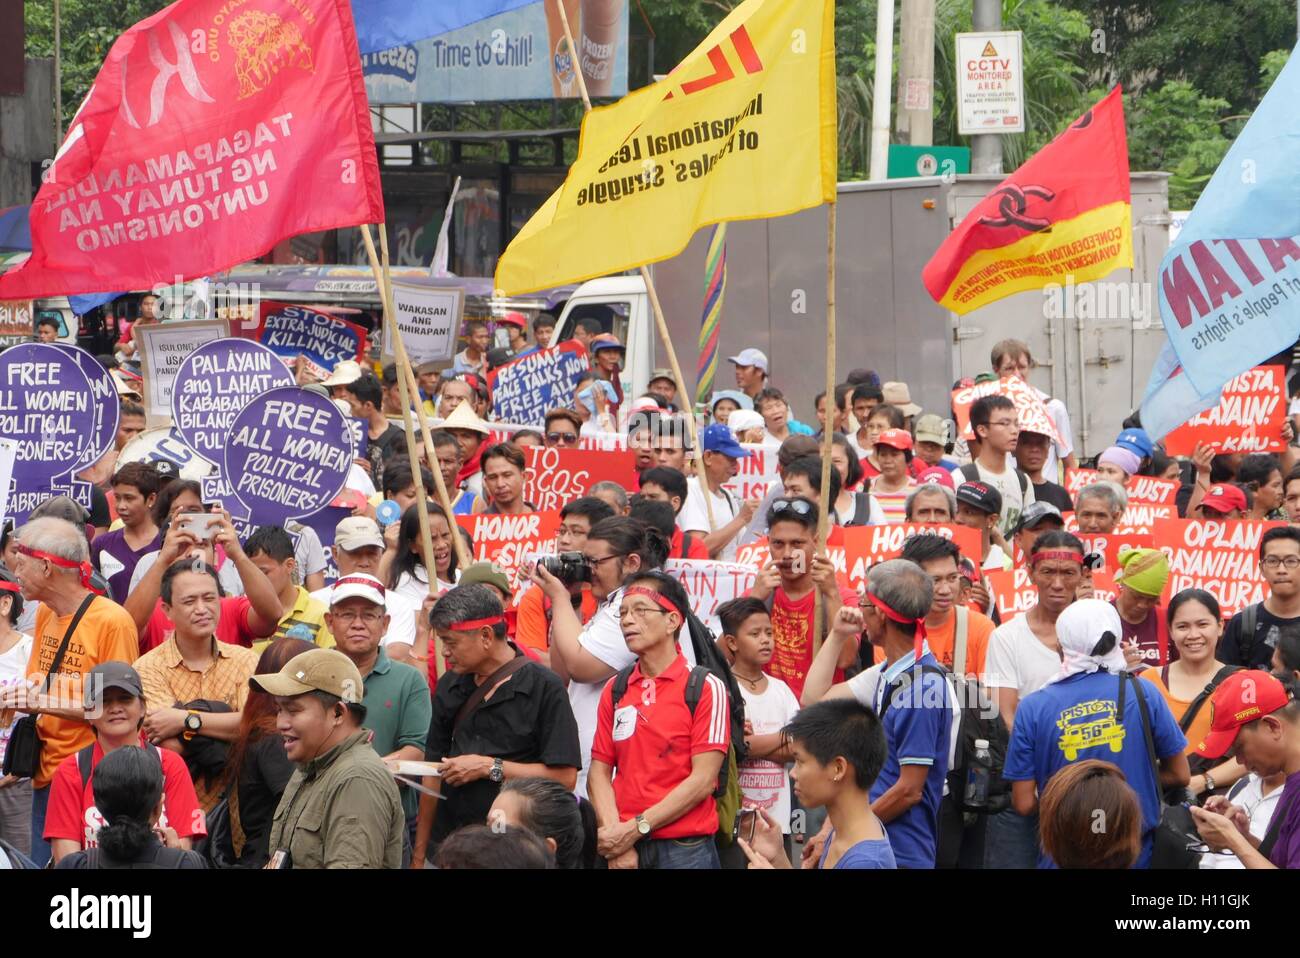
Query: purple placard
column 360, row 436
column 288, row 454
column 216, row 382
column 47, row 406
column 107, row 404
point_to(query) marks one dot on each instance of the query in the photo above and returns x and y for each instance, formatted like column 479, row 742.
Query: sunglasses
column 556, row 438
column 800, row 507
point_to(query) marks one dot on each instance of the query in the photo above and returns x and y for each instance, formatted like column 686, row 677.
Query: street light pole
column 986, row 148
column 881, row 94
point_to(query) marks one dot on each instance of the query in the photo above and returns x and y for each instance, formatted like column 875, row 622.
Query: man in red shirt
column 789, row 584
column 659, row 812
column 665, row 484
column 245, row 618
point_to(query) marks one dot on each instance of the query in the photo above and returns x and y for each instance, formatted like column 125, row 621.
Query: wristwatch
column 498, row 773
column 193, row 722
column 642, row 825
column 1209, row 782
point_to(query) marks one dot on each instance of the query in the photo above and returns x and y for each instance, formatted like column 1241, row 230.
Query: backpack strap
column 961, row 630
column 687, row 540
column 1246, row 637
column 67, row 637
column 970, row 471
column 1275, row 823
column 894, row 686
column 84, row 759
column 1189, row 716
column 92, row 857
column 1144, row 718
column 1024, row 482
column 620, row 686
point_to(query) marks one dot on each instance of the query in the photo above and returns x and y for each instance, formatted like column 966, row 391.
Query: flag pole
column 408, row 385
column 823, row 520
column 660, row 322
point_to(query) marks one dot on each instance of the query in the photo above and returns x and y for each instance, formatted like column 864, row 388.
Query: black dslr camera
column 569, row 567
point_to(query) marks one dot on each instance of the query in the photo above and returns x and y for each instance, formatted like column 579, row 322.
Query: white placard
column 428, row 321
column 8, row 455
column 990, row 83
column 162, row 347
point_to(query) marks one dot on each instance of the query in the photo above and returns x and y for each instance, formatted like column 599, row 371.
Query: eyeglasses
column 640, row 611
column 369, row 617
column 559, row 438
column 1290, row 562
column 800, row 507
column 595, row 562
column 1004, row 423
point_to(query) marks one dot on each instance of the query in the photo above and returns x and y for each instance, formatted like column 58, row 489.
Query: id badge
column 280, row 859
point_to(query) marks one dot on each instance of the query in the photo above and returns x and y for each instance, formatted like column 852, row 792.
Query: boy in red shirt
column 788, row 585
column 665, row 484
column 659, row 811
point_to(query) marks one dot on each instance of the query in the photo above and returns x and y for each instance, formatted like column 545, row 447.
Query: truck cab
column 622, row 307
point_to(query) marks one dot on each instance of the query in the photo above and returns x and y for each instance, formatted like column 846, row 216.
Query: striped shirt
column 893, row 504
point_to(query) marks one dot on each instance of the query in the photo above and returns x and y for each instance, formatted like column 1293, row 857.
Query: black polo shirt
column 527, row 719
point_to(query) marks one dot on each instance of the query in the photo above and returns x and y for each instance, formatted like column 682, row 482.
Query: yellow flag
column 744, row 128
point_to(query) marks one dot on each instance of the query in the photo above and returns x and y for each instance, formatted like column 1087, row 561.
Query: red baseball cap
column 512, row 318
column 936, row 476
column 895, row 439
column 1225, row 497
column 1243, row 697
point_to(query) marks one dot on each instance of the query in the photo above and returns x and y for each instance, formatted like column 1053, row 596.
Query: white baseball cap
column 346, row 372
column 358, row 586
column 750, row 357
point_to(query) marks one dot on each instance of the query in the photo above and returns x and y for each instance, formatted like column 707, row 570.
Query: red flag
column 213, row 131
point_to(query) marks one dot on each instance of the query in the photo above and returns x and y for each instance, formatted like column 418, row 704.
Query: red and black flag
column 1064, row 213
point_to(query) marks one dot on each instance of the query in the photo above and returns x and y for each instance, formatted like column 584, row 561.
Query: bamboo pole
column 661, row 324
column 823, row 520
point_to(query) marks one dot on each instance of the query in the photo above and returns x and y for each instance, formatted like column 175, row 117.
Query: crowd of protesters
column 175, row 694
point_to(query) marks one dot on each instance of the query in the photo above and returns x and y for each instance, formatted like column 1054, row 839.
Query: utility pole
column 916, row 73
column 986, row 148
column 881, row 94
column 58, row 81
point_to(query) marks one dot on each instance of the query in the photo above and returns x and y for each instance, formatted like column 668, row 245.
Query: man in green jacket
column 341, row 808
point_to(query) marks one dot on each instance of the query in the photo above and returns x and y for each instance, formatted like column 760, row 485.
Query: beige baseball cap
column 316, row 670
column 358, row 532
column 348, row 371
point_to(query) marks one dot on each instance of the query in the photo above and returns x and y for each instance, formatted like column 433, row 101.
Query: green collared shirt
column 341, row 810
column 398, row 711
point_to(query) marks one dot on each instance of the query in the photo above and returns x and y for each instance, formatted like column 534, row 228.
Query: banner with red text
column 509, row 540
column 1220, row 556
column 1248, row 418
column 213, row 131
column 709, row 584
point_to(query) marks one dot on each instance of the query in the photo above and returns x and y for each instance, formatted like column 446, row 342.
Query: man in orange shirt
column 533, row 624
column 938, row 557
column 53, row 568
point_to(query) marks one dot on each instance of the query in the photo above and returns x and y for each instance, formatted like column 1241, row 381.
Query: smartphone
column 201, row 525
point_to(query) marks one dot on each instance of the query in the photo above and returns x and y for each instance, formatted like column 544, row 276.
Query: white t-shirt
column 227, row 575
column 1017, row 660
column 415, row 587
column 602, row 636
column 1008, row 484
column 401, row 611
column 308, row 553
column 997, row 560
column 1259, row 808
column 13, row 669
column 1057, row 451
column 360, row 481
column 764, row 783
column 694, row 516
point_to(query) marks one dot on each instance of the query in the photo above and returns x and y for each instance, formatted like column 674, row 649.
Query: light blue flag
column 83, row 304
column 1229, row 286
column 382, row 24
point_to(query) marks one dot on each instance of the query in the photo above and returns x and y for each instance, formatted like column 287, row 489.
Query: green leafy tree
column 1177, row 128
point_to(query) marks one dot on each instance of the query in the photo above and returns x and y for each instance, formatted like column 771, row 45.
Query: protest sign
column 1103, row 585
column 288, row 454
column 428, row 320
column 1109, row 545
column 554, row 477
column 709, row 584
column 290, row 331
column 1031, row 412
column 523, row 390
column 1248, row 418
column 16, row 321
column 754, row 473
column 360, row 436
column 47, row 406
column 854, row 550
column 1150, row 490
column 154, row 445
column 107, row 404
column 162, row 348
column 1220, row 556
column 1013, row 591
column 215, row 382
column 508, row 540
column 8, row 455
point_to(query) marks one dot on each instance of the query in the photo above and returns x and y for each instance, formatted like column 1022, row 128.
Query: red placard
column 1220, row 556
column 1013, row 591
column 1031, row 412
column 554, row 477
column 1248, row 418
column 505, row 540
column 1109, row 545
column 1146, row 490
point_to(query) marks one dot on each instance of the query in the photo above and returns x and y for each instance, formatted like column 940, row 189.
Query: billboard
column 520, row 55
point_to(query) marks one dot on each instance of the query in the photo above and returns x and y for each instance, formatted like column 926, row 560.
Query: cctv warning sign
column 990, row 83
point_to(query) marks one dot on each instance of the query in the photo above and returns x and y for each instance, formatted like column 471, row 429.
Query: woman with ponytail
column 128, row 787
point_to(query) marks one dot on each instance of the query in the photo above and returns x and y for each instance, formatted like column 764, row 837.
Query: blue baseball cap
column 1137, row 442
column 718, row 438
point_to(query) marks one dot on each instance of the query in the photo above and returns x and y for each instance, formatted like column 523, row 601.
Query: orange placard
column 1220, row 556
column 506, row 540
column 1031, row 412
column 1248, row 418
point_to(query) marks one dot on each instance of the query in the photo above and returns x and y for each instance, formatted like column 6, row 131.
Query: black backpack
column 709, row 659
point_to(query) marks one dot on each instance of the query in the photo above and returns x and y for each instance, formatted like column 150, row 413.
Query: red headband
column 890, row 614
column 85, row 568
column 658, row 598
column 469, row 625
column 358, row 580
column 1058, row 554
column 10, row 586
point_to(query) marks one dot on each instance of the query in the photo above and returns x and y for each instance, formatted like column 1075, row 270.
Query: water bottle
column 977, row 779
